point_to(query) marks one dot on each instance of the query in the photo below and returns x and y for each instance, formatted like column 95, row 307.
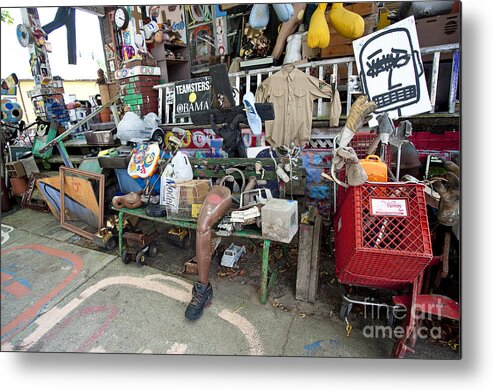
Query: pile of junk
column 392, row 231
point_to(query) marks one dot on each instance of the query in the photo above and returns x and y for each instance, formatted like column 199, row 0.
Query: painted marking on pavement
column 97, row 349
column 4, row 277
column 27, row 316
column 246, row 328
column 318, row 346
column 87, row 345
column 177, row 348
column 16, row 289
column 5, row 233
column 49, row 319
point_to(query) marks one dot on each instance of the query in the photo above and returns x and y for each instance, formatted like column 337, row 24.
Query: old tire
column 152, row 250
column 125, row 257
column 345, row 310
column 111, row 244
column 158, row 136
column 141, row 258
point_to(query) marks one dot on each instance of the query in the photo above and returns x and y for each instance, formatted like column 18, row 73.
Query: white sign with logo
column 396, row 207
column 391, row 70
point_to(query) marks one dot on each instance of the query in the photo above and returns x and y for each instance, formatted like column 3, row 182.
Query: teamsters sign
column 193, row 95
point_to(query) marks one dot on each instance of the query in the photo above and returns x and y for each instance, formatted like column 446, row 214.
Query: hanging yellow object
column 318, row 30
column 347, row 23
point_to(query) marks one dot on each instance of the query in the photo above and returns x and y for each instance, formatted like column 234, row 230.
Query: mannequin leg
column 215, row 206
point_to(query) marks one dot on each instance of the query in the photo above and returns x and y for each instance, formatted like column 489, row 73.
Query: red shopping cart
column 382, row 237
column 382, row 240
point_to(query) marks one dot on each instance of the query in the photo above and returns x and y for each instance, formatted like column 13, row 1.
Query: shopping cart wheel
column 345, row 310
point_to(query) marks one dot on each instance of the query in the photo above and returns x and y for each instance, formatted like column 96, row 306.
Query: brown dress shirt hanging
column 292, row 92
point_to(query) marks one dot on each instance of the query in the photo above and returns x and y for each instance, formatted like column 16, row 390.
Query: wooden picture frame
column 26, row 201
column 100, row 216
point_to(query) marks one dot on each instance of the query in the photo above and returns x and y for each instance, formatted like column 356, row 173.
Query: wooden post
column 308, row 258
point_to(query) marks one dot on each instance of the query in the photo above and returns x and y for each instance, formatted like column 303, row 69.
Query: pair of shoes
column 201, row 297
column 254, row 120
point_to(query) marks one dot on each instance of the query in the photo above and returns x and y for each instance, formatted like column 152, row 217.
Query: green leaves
column 6, row 17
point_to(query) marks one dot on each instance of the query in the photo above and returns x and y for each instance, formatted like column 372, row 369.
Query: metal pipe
column 394, row 307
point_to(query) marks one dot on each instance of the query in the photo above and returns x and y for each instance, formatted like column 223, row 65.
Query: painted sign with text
column 193, row 95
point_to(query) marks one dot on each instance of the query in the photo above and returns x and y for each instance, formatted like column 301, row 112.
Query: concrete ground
column 60, row 295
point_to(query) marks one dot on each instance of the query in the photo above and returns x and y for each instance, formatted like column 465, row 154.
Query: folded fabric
column 254, row 120
column 335, row 109
column 355, row 174
column 259, row 16
column 346, row 156
column 283, row 11
column 343, row 155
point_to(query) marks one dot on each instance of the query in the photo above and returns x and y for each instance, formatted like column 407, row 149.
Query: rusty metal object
column 139, row 245
column 27, row 201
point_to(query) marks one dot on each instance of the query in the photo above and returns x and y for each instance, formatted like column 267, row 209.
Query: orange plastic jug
column 374, row 168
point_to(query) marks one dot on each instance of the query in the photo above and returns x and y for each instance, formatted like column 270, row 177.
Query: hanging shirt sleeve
column 319, row 88
column 262, row 93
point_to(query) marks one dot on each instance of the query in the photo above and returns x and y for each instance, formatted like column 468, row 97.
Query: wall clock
column 122, row 18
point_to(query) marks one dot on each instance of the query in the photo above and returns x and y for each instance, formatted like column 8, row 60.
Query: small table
column 251, row 234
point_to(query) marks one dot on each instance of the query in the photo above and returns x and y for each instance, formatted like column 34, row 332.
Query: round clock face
column 121, row 18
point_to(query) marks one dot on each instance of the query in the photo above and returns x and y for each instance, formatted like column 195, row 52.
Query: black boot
column 202, row 296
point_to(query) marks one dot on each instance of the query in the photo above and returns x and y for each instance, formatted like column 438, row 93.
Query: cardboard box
column 438, row 30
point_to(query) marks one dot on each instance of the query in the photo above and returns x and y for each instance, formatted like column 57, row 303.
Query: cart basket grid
column 382, row 236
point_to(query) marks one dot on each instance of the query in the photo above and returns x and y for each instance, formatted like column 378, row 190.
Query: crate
column 183, row 199
column 15, row 169
column 382, row 236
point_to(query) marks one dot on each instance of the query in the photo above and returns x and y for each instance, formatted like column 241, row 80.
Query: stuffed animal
column 318, row 31
column 259, row 15
column 348, row 24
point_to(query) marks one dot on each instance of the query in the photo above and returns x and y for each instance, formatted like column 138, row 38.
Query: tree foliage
column 6, row 17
